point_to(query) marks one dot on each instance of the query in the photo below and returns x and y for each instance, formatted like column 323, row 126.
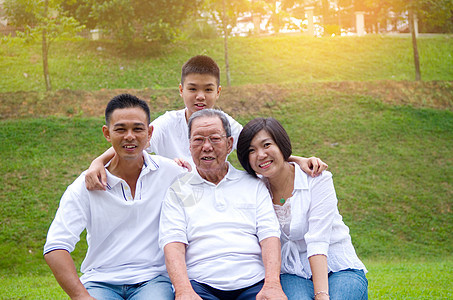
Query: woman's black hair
column 271, row 126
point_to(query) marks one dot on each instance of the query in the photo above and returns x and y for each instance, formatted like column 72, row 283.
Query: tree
column 42, row 20
column 226, row 14
column 127, row 19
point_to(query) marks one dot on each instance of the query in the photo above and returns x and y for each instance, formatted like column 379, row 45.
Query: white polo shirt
column 222, row 226
column 122, row 231
column 171, row 135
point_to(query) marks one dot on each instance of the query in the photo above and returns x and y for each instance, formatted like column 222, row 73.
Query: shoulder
column 164, row 164
column 169, row 117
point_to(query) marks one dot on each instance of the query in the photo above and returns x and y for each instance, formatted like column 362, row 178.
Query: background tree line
column 166, row 20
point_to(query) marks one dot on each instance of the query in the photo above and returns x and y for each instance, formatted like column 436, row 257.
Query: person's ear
column 218, row 91
column 106, row 132
column 150, row 132
column 230, row 143
column 181, row 88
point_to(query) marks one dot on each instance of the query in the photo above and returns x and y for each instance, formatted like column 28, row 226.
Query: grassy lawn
column 85, row 65
column 386, row 280
column 388, row 141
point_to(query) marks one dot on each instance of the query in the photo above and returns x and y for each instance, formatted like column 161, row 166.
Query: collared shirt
column 222, row 226
column 316, row 227
column 122, row 231
column 171, row 135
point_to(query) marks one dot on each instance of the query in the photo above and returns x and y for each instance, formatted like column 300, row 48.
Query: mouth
column 200, row 105
column 207, row 158
column 265, row 164
column 129, row 147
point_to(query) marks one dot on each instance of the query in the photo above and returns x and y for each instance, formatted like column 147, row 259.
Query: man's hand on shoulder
column 271, row 291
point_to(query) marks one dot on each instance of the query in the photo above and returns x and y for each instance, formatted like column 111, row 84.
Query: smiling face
column 128, row 131
column 210, row 158
column 265, row 156
column 199, row 91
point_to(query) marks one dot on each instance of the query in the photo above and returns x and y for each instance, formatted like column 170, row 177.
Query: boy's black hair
column 200, row 64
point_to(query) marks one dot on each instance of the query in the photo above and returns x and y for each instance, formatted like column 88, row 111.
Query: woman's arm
column 318, row 265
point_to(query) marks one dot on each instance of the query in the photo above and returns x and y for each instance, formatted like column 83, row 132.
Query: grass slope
column 85, row 65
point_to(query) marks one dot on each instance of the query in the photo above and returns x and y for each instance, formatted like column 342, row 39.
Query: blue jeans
column 157, row 288
column 209, row 293
column 347, row 284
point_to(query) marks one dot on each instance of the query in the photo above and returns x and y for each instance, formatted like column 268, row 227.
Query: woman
column 318, row 258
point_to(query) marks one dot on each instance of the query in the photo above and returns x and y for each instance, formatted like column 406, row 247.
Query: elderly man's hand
column 271, row 291
column 187, row 295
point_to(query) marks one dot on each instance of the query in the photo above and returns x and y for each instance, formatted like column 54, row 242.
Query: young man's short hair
column 200, row 64
column 125, row 101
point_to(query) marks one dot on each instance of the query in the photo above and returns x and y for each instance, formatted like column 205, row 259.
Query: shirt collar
column 232, row 174
column 148, row 165
column 300, row 178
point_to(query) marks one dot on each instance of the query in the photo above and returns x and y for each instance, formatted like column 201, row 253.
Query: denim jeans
column 343, row 285
column 209, row 293
column 157, row 288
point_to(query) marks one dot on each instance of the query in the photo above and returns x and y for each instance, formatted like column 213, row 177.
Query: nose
column 261, row 153
column 200, row 95
column 206, row 146
column 129, row 135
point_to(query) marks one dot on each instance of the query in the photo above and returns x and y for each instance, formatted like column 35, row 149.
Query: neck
column 282, row 185
column 214, row 176
column 128, row 170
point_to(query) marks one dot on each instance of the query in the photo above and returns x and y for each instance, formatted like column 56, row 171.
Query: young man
column 199, row 88
column 123, row 260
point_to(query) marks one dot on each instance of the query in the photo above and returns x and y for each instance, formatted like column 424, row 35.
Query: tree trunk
column 45, row 51
column 225, row 43
column 418, row 76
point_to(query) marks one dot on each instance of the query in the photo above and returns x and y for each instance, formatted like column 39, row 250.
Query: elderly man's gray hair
column 208, row 113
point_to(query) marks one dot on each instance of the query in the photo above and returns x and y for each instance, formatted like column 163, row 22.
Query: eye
column 267, row 145
column 216, row 139
column 251, row 151
column 139, row 129
column 119, row 129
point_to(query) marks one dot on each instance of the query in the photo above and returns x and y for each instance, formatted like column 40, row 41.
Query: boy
column 199, row 88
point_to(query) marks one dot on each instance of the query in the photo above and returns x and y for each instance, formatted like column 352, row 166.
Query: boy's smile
column 199, row 91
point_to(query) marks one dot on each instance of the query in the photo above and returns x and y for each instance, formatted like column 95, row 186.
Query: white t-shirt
column 171, row 135
column 221, row 225
column 122, row 231
column 313, row 225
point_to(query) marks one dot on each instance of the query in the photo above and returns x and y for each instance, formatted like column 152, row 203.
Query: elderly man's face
column 209, row 154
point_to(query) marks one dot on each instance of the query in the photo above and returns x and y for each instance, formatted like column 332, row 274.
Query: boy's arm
column 96, row 177
column 63, row 268
column 271, row 253
column 313, row 166
column 175, row 260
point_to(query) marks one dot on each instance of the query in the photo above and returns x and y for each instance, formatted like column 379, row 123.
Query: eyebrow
column 124, row 124
column 194, row 84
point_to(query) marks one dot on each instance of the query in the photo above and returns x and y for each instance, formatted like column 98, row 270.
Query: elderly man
column 123, row 259
column 218, row 229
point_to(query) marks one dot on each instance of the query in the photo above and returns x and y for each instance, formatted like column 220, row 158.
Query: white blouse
column 311, row 224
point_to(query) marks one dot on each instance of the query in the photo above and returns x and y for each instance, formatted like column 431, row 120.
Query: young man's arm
column 313, row 166
column 271, row 253
column 175, row 260
column 96, row 177
column 63, row 268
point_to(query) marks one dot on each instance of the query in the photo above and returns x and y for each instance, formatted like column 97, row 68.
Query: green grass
column 386, row 280
column 85, row 65
column 392, row 163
